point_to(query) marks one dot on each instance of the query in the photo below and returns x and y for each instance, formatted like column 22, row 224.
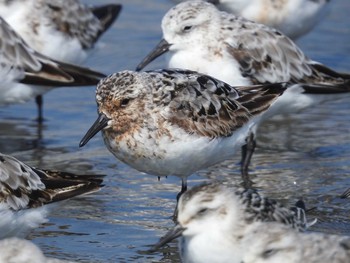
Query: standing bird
column 176, row 122
column 27, row 194
column 197, row 36
column 220, row 224
column 26, row 73
column 64, row 30
column 293, row 18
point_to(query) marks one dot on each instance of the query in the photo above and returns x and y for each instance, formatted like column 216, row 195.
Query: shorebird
column 221, row 224
column 176, row 122
column 27, row 194
column 63, row 30
column 294, row 18
column 26, row 73
column 197, row 36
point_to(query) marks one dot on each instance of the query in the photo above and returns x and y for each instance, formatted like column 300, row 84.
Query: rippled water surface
column 304, row 155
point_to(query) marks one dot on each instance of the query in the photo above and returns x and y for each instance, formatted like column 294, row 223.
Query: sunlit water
column 304, row 155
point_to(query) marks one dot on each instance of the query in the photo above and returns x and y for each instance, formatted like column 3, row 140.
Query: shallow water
column 304, row 155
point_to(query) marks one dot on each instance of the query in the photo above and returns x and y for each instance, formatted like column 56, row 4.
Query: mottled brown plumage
column 196, row 103
column 176, row 122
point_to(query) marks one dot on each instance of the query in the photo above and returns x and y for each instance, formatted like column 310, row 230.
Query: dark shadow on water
column 20, row 134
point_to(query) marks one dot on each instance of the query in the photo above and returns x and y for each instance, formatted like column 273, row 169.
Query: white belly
column 180, row 155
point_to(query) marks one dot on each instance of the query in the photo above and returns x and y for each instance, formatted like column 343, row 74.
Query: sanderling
column 26, row 73
column 214, row 221
column 176, row 122
column 240, row 52
column 274, row 243
column 27, row 193
column 64, row 30
column 16, row 250
column 294, row 18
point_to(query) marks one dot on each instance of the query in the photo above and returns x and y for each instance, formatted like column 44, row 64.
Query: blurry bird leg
column 247, row 153
column 183, row 189
column 39, row 103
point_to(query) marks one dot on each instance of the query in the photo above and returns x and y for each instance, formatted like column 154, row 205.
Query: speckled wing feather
column 16, row 56
column 22, row 186
column 267, row 56
column 21, row 63
column 209, row 107
column 271, row 242
column 106, row 15
column 256, row 207
column 260, row 208
column 79, row 21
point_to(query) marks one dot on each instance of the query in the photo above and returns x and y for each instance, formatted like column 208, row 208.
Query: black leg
column 39, row 103
column 183, row 189
column 247, row 153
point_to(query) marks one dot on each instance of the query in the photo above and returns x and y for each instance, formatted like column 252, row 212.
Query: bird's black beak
column 171, row 235
column 161, row 48
column 100, row 123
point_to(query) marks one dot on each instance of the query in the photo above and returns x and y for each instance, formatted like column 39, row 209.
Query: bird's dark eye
column 268, row 253
column 202, row 211
column 187, row 28
column 124, row 102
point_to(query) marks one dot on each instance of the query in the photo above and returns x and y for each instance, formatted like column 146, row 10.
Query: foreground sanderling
column 240, row 52
column 16, row 250
column 292, row 17
column 26, row 73
column 221, row 224
column 64, row 30
column 176, row 122
column 27, row 194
